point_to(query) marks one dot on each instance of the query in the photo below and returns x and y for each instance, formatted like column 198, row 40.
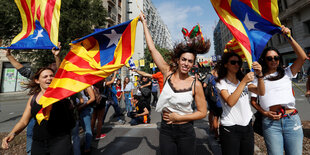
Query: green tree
column 148, row 58
column 77, row 19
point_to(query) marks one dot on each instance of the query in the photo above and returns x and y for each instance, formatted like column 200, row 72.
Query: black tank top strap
column 194, row 81
column 168, row 77
column 33, row 100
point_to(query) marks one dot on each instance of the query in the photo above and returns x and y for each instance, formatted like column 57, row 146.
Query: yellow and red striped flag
column 91, row 59
column 233, row 46
column 40, row 20
column 251, row 22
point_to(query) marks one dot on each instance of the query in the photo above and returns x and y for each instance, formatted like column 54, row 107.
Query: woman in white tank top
column 177, row 135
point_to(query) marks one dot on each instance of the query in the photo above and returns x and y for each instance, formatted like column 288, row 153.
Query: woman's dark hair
column 222, row 70
column 194, row 46
column 119, row 81
column 32, row 85
column 136, row 97
column 262, row 62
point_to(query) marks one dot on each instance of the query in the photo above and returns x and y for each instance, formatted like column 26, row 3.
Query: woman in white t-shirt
column 281, row 124
column 236, row 132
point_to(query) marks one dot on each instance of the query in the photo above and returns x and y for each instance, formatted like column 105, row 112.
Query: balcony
column 111, row 18
column 112, row 2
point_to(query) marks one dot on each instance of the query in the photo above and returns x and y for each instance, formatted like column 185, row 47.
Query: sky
column 188, row 13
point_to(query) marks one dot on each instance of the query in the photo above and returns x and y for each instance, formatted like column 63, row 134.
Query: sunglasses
column 275, row 58
column 234, row 62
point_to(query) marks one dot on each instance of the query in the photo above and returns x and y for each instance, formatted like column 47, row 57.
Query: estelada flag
column 131, row 64
column 251, row 22
column 40, row 20
column 90, row 60
column 233, row 46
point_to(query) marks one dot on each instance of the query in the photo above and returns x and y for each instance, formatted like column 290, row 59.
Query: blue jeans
column 30, row 126
column 128, row 102
column 85, row 117
column 117, row 109
column 76, row 139
column 285, row 133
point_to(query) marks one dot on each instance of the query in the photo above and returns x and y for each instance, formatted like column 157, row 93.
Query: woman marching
column 177, row 135
column 52, row 136
column 282, row 128
column 236, row 132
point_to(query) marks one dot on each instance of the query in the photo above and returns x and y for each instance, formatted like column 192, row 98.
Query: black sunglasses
column 275, row 58
column 233, row 62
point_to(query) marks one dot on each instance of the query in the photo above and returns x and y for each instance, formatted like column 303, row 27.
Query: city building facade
column 294, row 14
column 159, row 31
column 221, row 35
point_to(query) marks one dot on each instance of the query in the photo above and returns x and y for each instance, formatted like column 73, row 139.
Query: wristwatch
column 259, row 76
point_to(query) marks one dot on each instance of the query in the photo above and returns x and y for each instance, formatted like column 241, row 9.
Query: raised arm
column 12, row 60
column 157, row 57
column 301, row 55
column 112, row 80
column 143, row 73
column 56, row 55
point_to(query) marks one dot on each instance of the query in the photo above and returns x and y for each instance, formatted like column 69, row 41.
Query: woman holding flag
column 282, row 127
column 51, row 136
column 177, row 135
column 236, row 132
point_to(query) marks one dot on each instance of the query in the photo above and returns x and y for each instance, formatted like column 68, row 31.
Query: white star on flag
column 248, row 23
column 114, row 37
column 39, row 35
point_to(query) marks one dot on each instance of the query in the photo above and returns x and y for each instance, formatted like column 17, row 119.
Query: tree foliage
column 77, row 19
column 148, row 58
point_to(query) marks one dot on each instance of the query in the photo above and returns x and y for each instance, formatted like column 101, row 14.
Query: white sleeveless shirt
column 178, row 101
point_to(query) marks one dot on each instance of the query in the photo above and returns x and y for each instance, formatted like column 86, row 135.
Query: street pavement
column 121, row 138
column 140, row 139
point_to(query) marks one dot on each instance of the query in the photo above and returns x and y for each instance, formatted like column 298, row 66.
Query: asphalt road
column 141, row 139
column 120, row 139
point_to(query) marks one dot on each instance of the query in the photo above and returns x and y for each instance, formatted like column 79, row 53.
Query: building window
column 279, row 39
column 280, row 5
column 285, row 4
column 109, row 9
column 120, row 3
column 307, row 26
column 119, row 18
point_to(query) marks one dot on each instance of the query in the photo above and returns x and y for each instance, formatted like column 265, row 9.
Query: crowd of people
column 226, row 90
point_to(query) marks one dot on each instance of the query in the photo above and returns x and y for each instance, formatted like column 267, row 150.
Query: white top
column 128, row 87
column 240, row 113
column 85, row 98
column 176, row 101
column 278, row 92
